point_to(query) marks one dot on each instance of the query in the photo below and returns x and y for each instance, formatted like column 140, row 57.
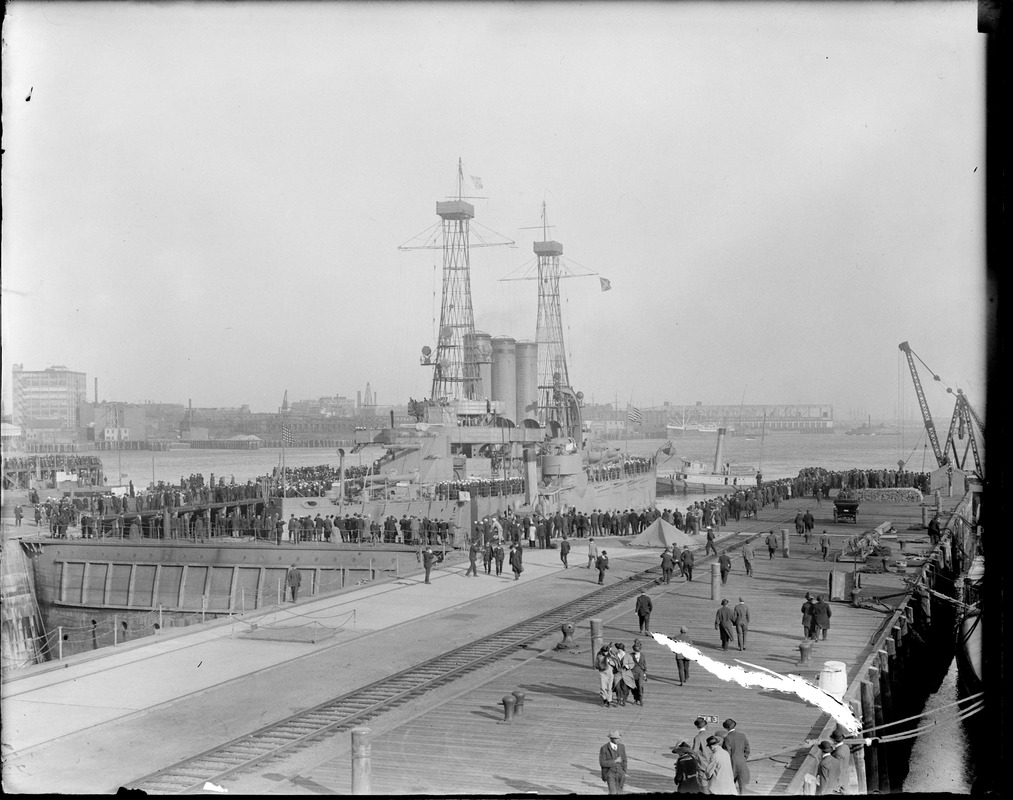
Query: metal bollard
column 509, row 701
column 567, row 643
column 805, row 649
column 715, row 581
column 361, row 768
column 519, row 697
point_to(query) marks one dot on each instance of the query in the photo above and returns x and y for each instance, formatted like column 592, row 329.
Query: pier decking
column 454, row 740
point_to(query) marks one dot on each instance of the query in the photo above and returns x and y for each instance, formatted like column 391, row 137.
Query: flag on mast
column 634, row 415
column 606, row 284
column 286, row 435
column 477, row 182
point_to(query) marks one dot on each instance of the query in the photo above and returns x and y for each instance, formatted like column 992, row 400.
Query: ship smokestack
column 720, row 451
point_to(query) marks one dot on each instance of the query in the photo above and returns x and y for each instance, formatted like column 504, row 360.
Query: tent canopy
column 661, row 534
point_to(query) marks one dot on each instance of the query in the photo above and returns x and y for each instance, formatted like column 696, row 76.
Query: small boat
column 697, row 476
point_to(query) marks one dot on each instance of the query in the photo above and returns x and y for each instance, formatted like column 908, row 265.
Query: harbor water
column 940, row 759
column 782, row 456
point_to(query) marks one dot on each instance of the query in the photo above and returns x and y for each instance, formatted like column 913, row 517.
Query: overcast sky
column 205, row 202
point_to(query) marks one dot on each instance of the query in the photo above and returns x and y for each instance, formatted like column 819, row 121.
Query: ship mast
column 455, row 364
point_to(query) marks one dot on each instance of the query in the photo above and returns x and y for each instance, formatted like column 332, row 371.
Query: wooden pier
column 458, row 740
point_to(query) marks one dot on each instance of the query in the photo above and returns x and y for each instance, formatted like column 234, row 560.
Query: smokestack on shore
column 720, row 451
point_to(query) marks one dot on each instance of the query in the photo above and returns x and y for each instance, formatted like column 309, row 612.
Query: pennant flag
column 477, row 182
column 606, row 284
column 635, row 415
column 286, row 435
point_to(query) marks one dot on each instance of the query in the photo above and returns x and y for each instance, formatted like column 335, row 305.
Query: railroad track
column 357, row 707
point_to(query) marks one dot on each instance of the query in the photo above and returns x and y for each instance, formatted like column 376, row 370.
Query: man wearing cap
column 724, row 623
column 828, row 773
column 821, row 617
column 293, row 579
column 710, row 542
column 592, row 552
column 737, row 746
column 612, row 760
column 428, row 559
column 681, row 661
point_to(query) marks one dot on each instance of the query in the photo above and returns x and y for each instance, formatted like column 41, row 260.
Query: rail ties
column 341, row 713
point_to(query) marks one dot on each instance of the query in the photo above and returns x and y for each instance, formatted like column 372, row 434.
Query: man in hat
column 612, row 760
column 602, row 564
column 644, row 608
column 737, row 746
column 681, row 661
column 747, row 558
column 623, row 668
column 725, row 563
column 687, row 560
column 842, row 752
column 724, row 623
column 710, row 542
column 499, row 554
column 771, row 542
column 740, row 617
column 825, row 545
column 564, row 551
column 667, row 565
column 472, row 559
column 428, row 559
column 807, row 616
column 639, row 672
column 515, row 561
column 720, row 779
column 821, row 617
column 828, row 772
column 293, row 579
column 592, row 553
column 799, row 523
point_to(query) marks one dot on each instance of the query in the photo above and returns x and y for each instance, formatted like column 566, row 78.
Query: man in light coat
column 612, row 760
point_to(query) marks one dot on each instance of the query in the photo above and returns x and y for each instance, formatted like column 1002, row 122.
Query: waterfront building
column 47, row 402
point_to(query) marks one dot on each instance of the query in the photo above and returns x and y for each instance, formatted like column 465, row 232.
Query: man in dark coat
column 828, row 773
column 687, row 563
column 747, row 558
column 771, row 542
column 602, row 564
column 428, row 559
column 737, row 746
column 821, row 617
column 807, row 617
column 488, row 552
column 612, row 760
column 515, row 561
column 726, row 566
column 710, row 542
column 564, row 551
column 724, row 624
column 825, row 545
column 644, row 609
column 294, row 579
column 472, row 560
column 639, row 673
column 667, row 566
column 499, row 554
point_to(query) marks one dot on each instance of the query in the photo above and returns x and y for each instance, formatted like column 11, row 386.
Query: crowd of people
column 631, row 465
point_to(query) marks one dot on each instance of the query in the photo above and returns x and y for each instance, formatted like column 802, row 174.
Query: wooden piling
column 597, row 639
column 858, row 751
column 872, row 751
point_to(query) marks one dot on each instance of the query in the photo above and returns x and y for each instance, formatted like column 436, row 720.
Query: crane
column 960, row 422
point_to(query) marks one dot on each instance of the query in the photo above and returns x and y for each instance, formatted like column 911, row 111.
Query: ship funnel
column 719, row 453
column 504, row 374
column 527, row 381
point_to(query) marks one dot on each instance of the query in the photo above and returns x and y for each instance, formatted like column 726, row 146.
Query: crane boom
column 930, row 426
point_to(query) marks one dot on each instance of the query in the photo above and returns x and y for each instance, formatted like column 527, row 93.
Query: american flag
column 635, row 415
column 286, row 435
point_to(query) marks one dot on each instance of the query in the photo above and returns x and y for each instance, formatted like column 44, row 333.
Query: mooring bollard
column 361, row 769
column 508, row 707
column 519, row 697
column 567, row 643
column 805, row 649
column 715, row 581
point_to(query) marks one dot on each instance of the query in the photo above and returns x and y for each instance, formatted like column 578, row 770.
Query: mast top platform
column 548, row 248
column 455, row 209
